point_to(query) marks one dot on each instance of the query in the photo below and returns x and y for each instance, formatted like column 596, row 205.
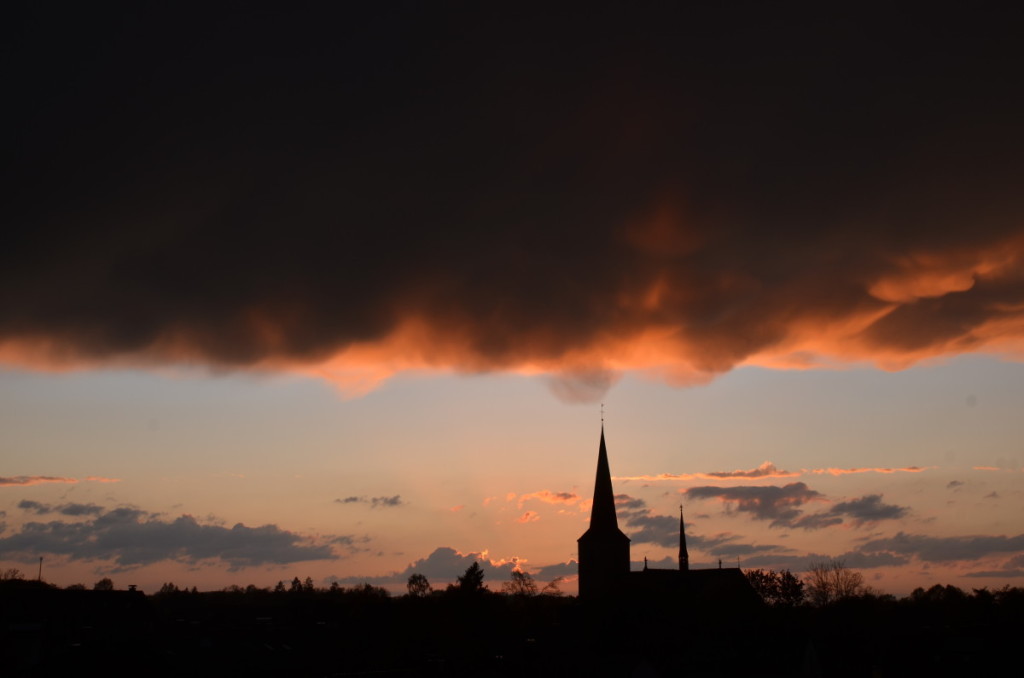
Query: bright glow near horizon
column 288, row 451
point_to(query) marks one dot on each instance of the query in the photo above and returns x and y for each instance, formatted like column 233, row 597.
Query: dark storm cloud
column 479, row 187
column 131, row 537
column 763, row 502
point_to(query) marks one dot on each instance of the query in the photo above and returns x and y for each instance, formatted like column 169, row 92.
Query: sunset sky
column 338, row 293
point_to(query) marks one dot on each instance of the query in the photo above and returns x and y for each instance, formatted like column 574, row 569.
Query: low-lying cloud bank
column 443, row 565
column 129, row 537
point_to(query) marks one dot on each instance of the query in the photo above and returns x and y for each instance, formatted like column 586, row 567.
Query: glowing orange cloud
column 528, row 517
column 765, row 470
column 847, row 471
column 549, row 497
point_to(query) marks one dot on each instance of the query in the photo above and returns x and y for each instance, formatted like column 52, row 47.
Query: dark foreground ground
column 52, row 632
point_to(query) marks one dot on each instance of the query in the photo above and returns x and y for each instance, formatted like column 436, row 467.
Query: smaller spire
column 684, row 556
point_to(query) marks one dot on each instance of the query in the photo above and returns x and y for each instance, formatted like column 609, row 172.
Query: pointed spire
column 684, row 556
column 602, row 514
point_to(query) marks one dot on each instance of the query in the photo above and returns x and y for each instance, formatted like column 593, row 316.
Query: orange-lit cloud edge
column 23, row 481
column 769, row 470
column 650, row 336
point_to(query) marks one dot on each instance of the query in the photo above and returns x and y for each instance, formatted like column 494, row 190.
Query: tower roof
column 602, row 513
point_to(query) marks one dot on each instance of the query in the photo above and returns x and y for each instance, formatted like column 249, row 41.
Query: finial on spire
column 602, row 414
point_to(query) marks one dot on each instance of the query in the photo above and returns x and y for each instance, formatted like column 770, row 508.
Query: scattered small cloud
column 995, row 573
column 767, row 470
column 351, row 543
column 555, row 570
column 549, row 497
column 872, row 469
column 944, row 549
column 763, row 502
column 456, row 509
column 528, row 517
column 7, row 481
column 782, row 505
column 953, row 484
column 816, row 521
column 373, row 502
column 646, row 527
column 70, row 509
column 653, row 529
column 1014, row 567
column 587, row 386
column 992, row 495
column 868, row 509
column 624, row 502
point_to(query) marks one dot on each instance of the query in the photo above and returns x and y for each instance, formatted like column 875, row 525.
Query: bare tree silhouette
column 831, row 580
column 418, row 586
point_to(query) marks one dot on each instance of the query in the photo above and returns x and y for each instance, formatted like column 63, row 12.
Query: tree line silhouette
column 826, row 623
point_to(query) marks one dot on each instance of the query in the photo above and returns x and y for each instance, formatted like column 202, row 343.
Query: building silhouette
column 604, row 562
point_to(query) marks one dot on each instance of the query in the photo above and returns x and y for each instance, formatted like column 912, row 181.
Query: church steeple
column 602, row 513
column 684, row 556
column 603, row 549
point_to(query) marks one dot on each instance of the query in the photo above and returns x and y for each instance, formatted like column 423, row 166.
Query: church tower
column 603, row 549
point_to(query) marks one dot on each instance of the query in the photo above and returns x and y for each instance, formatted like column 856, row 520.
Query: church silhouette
column 604, row 564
